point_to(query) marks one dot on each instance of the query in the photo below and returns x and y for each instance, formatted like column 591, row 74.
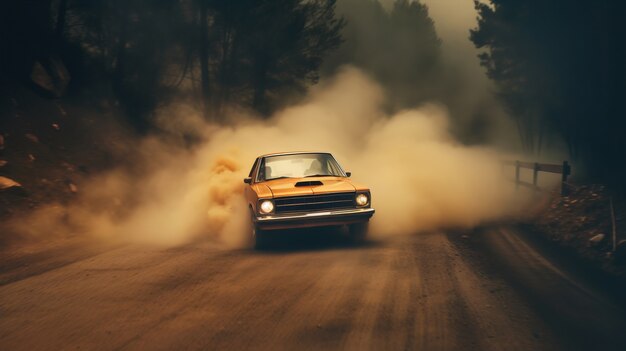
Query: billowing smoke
column 390, row 41
column 421, row 178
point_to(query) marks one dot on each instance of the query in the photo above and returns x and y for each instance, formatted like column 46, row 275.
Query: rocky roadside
column 589, row 222
column 49, row 147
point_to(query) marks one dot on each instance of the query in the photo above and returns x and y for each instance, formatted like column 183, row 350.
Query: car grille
column 310, row 203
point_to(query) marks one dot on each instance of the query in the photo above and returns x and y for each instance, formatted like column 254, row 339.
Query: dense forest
column 149, row 51
column 399, row 47
column 216, row 53
column 558, row 66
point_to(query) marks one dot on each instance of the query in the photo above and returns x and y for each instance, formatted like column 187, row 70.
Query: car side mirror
column 247, row 180
column 348, row 174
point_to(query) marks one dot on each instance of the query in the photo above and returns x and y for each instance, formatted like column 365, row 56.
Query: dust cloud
column 421, row 178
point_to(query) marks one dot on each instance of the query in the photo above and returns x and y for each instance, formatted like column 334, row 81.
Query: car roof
column 295, row 153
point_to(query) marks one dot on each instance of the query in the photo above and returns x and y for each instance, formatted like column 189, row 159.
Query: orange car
column 304, row 189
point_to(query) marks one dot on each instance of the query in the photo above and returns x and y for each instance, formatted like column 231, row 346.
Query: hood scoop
column 309, row 183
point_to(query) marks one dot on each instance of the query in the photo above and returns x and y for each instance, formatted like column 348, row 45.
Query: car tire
column 358, row 232
column 258, row 236
column 260, row 239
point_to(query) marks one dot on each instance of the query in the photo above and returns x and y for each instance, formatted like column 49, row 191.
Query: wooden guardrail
column 563, row 169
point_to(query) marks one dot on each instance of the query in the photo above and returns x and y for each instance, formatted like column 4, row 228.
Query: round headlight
column 362, row 200
column 267, row 206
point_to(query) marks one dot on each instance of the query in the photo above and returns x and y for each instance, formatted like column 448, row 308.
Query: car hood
column 309, row 186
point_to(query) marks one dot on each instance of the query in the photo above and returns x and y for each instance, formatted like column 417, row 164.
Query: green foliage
column 263, row 50
column 130, row 42
column 560, row 68
column 219, row 52
column 400, row 48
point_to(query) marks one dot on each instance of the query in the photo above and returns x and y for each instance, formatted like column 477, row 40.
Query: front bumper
column 313, row 219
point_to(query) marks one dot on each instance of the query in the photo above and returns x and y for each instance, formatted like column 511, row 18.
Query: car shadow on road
column 311, row 239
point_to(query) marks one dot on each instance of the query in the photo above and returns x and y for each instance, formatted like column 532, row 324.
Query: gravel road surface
column 489, row 289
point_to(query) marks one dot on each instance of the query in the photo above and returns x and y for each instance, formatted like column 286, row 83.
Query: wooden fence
column 563, row 169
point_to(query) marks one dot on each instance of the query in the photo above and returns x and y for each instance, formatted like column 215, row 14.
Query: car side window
column 261, row 172
column 253, row 167
column 330, row 165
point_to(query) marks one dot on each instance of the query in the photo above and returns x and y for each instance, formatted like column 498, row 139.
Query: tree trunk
column 259, row 102
column 120, row 59
column 204, row 60
column 60, row 25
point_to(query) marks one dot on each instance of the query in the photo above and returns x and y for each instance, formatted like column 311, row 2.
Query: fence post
column 565, row 174
column 516, row 174
column 535, row 175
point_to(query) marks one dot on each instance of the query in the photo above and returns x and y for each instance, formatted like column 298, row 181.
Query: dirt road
column 485, row 290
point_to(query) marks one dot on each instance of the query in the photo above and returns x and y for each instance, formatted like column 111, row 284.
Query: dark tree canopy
column 264, row 49
column 399, row 48
column 221, row 52
column 560, row 68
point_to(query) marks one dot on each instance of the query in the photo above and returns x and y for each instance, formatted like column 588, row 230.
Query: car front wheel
column 358, row 231
column 260, row 238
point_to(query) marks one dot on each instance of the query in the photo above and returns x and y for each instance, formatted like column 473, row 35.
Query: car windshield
column 299, row 166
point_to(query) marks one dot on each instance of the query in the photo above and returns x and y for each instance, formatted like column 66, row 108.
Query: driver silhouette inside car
column 315, row 168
